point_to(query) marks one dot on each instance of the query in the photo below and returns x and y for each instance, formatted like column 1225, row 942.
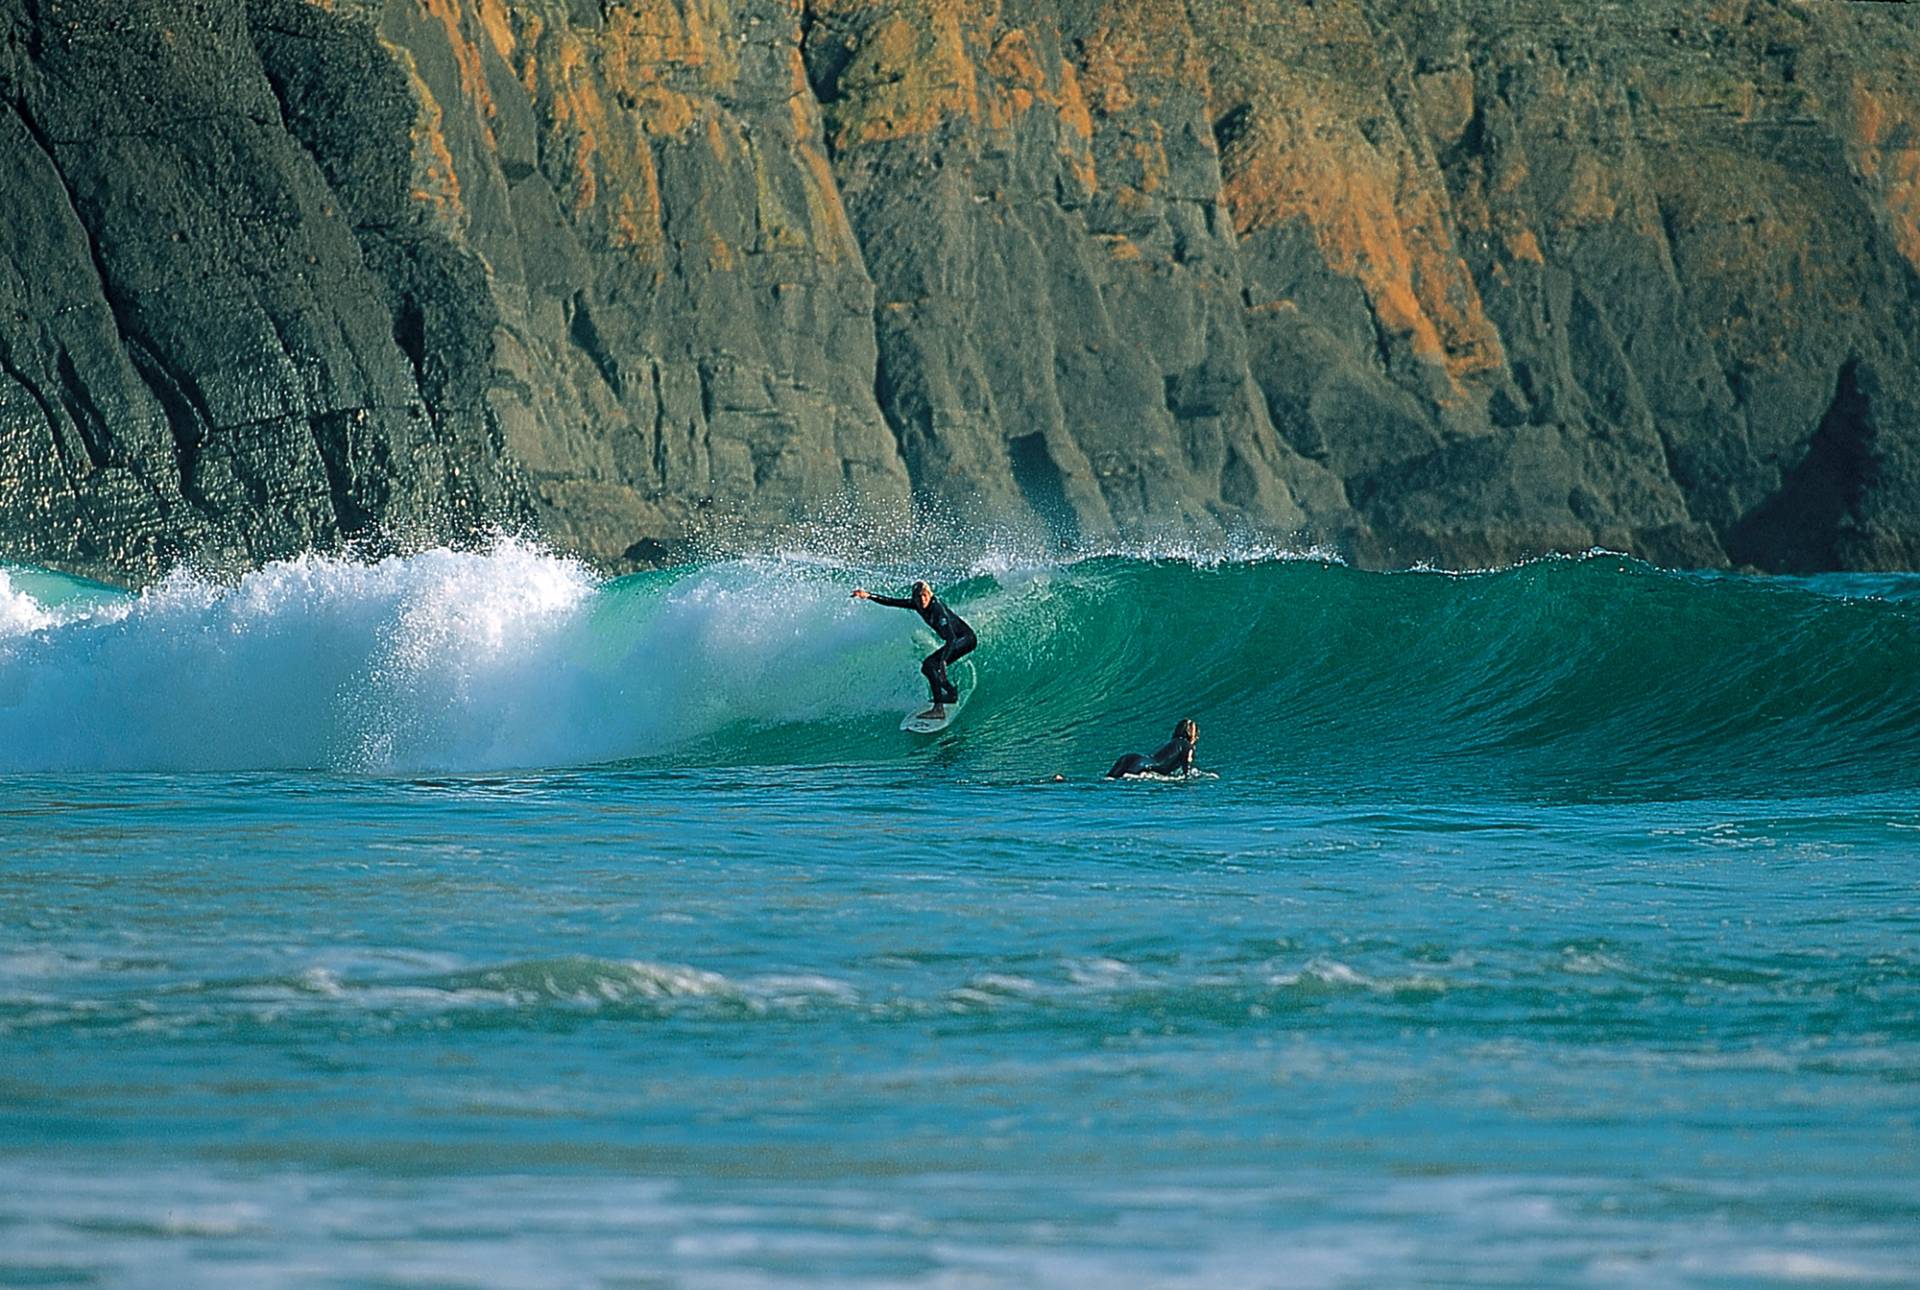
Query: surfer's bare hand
column 861, row 593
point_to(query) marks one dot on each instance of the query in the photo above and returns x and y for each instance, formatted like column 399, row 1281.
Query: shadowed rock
column 1427, row 281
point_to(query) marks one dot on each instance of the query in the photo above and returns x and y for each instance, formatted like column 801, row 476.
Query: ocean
column 465, row 920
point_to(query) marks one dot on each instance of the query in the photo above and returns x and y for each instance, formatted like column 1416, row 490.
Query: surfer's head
column 922, row 595
column 1184, row 730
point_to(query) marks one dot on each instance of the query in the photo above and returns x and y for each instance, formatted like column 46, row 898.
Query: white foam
column 19, row 612
column 442, row 660
column 1802, row 1265
column 1197, row 554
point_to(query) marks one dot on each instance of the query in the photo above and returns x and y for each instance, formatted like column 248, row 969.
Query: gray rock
column 1422, row 279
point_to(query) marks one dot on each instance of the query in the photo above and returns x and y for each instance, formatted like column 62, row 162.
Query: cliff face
column 1426, row 279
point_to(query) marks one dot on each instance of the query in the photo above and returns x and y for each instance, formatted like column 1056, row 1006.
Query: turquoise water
column 460, row 920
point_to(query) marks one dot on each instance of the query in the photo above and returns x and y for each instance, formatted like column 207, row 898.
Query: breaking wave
column 1599, row 671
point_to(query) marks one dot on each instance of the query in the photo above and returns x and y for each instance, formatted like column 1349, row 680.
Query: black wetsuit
column 1174, row 756
column 956, row 642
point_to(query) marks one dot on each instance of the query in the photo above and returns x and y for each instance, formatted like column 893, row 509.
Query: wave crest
column 1594, row 671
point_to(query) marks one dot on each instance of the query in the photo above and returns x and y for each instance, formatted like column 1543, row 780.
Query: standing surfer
column 1175, row 757
column 956, row 642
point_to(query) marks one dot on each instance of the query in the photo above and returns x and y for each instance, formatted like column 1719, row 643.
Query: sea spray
column 441, row 660
column 19, row 611
column 1588, row 677
column 314, row 662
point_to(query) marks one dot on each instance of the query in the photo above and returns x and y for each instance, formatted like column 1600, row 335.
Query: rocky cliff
column 1424, row 279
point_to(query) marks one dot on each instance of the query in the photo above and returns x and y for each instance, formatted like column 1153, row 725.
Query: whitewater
column 466, row 918
column 1589, row 672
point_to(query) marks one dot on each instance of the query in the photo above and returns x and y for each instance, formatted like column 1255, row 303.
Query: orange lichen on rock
column 1372, row 218
column 1884, row 146
column 435, row 183
column 663, row 62
column 910, row 73
column 607, row 91
column 1016, row 81
column 1076, row 149
column 452, row 15
column 561, row 72
column 498, row 24
column 634, row 222
column 1073, row 104
column 833, row 238
column 665, row 113
column 645, row 40
column 613, row 93
column 917, row 65
column 1013, row 65
column 1521, row 244
column 567, row 88
column 1104, row 70
column 1141, row 47
column 1150, row 151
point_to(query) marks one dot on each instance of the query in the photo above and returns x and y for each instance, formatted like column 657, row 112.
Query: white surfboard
column 919, row 725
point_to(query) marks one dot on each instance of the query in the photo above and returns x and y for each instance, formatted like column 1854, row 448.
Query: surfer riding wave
column 956, row 642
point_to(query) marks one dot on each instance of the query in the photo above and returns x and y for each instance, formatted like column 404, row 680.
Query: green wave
column 1582, row 678
column 1595, row 675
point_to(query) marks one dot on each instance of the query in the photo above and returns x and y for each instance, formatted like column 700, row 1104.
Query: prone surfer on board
column 956, row 641
column 1175, row 757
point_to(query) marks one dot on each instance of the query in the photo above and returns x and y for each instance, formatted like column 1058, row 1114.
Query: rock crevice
column 1438, row 281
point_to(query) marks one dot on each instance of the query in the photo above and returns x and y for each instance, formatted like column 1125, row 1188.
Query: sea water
column 465, row 920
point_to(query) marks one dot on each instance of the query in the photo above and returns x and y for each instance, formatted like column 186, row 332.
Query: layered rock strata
column 1423, row 280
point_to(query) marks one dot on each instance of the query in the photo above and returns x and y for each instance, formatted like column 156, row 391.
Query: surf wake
column 1592, row 672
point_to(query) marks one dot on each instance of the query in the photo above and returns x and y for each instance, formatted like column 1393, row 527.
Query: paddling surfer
column 956, row 641
column 1175, row 757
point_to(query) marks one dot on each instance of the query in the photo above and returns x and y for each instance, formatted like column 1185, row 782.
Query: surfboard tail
column 919, row 725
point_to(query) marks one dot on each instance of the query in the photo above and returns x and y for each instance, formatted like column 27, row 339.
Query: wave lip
column 310, row 663
column 1587, row 674
column 19, row 612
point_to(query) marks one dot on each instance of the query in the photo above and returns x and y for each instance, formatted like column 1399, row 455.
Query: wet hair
column 1185, row 728
column 920, row 584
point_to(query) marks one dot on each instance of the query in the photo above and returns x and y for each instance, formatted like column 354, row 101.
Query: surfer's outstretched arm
column 956, row 640
column 861, row 593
